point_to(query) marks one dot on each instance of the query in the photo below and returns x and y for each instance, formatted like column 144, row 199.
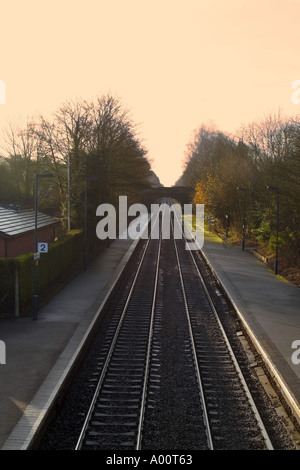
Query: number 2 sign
column 43, row 247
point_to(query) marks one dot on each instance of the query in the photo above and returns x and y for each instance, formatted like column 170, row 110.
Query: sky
column 175, row 65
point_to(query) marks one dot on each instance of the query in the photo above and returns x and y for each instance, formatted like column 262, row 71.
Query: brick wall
column 15, row 246
column 2, row 248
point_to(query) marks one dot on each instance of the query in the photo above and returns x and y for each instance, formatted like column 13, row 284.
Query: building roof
column 14, row 222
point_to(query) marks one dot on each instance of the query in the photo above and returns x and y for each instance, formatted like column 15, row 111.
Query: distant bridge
column 181, row 194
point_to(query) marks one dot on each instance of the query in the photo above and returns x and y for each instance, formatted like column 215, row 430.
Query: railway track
column 116, row 413
column 135, row 363
column 166, row 375
column 233, row 420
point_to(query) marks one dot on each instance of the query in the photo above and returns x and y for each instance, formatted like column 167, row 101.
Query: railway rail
column 166, row 375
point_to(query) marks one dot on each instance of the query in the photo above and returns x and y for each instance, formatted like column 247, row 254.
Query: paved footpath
column 38, row 352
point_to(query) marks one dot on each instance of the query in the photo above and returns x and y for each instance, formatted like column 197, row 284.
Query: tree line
column 263, row 161
column 93, row 143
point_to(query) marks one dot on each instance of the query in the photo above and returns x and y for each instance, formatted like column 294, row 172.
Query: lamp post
column 88, row 178
column 274, row 188
column 68, row 195
column 35, row 294
column 244, row 217
column 226, row 230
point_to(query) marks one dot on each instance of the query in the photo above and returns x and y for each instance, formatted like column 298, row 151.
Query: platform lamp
column 244, row 217
column 226, row 229
column 35, row 294
column 88, row 178
column 274, row 188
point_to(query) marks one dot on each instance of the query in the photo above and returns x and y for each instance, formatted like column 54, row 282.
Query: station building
column 17, row 229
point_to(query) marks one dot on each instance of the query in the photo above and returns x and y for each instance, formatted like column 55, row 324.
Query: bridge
column 181, row 194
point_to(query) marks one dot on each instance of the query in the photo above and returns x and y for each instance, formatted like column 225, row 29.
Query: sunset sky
column 174, row 64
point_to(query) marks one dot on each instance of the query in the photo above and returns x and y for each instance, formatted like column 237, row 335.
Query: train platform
column 269, row 308
column 39, row 352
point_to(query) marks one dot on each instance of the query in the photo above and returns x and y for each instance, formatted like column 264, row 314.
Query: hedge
column 7, row 286
column 63, row 260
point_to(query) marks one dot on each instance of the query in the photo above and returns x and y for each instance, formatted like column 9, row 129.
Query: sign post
column 35, row 293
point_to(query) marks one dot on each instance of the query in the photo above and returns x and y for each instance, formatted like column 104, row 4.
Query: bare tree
column 21, row 150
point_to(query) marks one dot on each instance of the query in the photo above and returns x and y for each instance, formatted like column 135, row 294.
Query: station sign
column 43, row 247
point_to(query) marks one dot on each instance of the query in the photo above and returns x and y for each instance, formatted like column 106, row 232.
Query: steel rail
column 198, row 374
column 236, row 364
column 110, row 352
column 259, row 420
column 146, row 374
column 112, row 347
